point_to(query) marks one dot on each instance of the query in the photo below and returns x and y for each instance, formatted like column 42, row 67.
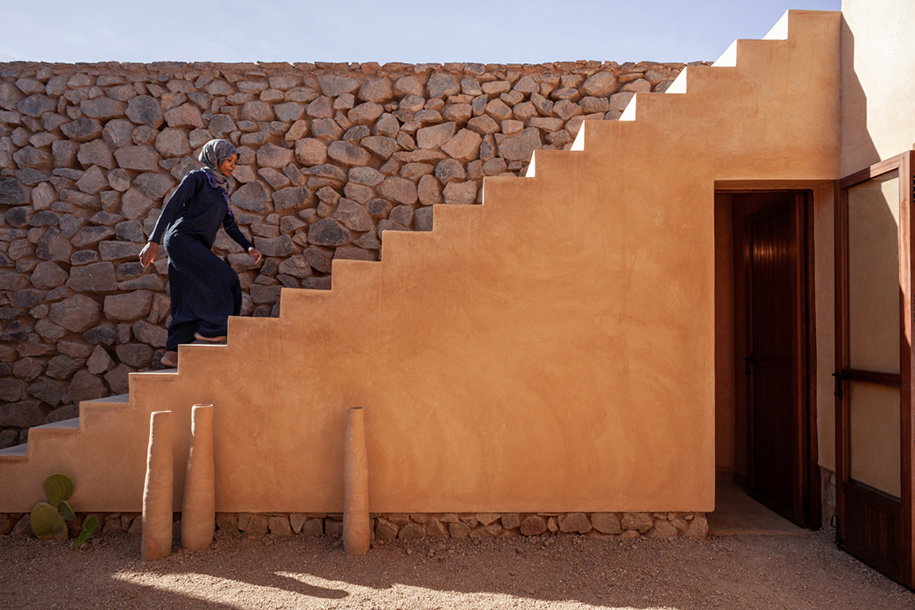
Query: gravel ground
column 805, row 571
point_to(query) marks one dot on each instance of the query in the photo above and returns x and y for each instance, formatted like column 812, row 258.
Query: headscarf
column 213, row 154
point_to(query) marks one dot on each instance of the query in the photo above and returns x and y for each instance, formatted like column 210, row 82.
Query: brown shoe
column 169, row 360
column 200, row 337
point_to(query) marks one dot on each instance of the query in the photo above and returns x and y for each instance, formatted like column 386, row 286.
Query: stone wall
column 625, row 526
column 331, row 155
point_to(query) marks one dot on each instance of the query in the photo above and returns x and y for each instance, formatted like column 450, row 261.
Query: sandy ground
column 804, row 571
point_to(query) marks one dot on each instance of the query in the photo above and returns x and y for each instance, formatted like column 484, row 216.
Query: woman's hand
column 149, row 253
column 255, row 254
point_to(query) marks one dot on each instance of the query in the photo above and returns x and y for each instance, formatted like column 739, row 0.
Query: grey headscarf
column 213, row 154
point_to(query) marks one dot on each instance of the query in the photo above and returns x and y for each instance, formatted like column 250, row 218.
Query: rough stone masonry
column 331, row 156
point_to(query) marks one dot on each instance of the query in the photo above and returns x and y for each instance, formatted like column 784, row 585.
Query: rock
column 36, row 105
column 386, row 125
column 382, row 146
column 637, row 86
column 277, row 247
column 385, row 530
column 498, row 110
column 119, row 250
column 365, row 114
column 289, row 197
column 28, row 368
column 412, row 531
column 436, row 529
column 533, row 525
column 118, row 379
column 92, row 181
column 450, row 170
column 489, row 531
column 51, row 392
column 328, row 232
column 34, row 158
column 290, row 111
column 82, row 130
column 86, row 386
column 258, row 525
column 145, row 110
column 150, row 334
column 313, row 527
column 99, row 362
column 152, row 185
column 48, row 275
column 11, row 192
column 348, row 154
column 22, row 414
column 279, row 526
column 10, row 389
column 376, row 90
column 333, row 85
column 102, row 108
column 423, row 219
column 663, row 530
column 460, row 193
column 408, row 85
column 270, row 155
column 619, row 101
column 135, row 354
column 140, row 158
column 640, row 522
column 365, row 175
column 464, row 146
column 566, row 109
column 435, row 136
column 128, row 307
column 510, row 521
column 62, row 367
column 97, row 277
column 95, row 152
column 172, row 143
column 606, row 523
column 185, row 115
column 310, row 151
column 483, row 125
column 227, row 522
column 321, row 108
column 520, row 147
column 698, row 528
column 353, row 216
column 76, row 313
column 252, row 197
column 332, row 527
column 398, row 190
column 574, row 522
column 442, row 84
column 53, row 246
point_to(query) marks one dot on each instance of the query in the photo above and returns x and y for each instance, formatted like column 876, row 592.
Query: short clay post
column 198, row 511
column 355, row 485
column 157, row 491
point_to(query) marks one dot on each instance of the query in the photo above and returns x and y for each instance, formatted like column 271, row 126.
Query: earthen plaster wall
column 331, row 156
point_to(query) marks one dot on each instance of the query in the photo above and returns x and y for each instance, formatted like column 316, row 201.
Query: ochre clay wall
column 550, row 350
column 331, row 155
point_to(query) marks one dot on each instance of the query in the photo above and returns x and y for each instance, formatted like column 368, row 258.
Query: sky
column 411, row 31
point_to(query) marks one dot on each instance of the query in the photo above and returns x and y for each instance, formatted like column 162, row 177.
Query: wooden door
column 776, row 356
column 874, row 428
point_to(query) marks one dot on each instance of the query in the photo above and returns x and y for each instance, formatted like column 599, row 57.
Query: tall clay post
column 355, row 485
column 198, row 512
column 157, row 492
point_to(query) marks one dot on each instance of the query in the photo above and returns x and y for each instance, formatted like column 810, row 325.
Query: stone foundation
column 665, row 526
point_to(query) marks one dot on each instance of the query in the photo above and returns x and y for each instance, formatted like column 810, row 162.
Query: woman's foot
column 170, row 360
column 200, row 337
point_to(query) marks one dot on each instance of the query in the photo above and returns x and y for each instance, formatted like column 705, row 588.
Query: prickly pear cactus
column 58, row 487
column 88, row 527
column 47, row 523
column 66, row 511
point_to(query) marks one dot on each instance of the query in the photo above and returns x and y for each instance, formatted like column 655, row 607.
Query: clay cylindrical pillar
column 356, row 534
column 158, row 491
column 198, row 511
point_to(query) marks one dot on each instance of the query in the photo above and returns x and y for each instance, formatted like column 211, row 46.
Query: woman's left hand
column 255, row 254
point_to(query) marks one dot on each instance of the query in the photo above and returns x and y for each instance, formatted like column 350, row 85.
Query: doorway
column 773, row 435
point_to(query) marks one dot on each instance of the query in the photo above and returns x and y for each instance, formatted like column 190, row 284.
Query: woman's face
column 228, row 166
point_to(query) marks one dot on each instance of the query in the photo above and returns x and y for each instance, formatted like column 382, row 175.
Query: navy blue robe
column 205, row 290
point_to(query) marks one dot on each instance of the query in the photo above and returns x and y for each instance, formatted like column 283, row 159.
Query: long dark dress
column 204, row 289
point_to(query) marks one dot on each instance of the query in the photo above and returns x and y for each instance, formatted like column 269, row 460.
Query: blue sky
column 413, row 31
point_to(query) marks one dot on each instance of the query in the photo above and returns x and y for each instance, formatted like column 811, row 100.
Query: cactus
column 47, row 523
column 58, row 487
column 88, row 527
column 66, row 512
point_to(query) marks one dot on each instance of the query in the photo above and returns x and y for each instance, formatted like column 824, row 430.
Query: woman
column 204, row 289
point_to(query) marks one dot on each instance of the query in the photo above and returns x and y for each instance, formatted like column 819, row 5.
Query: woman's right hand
column 149, row 253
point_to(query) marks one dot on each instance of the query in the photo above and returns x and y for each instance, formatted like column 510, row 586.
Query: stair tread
column 120, row 398
column 71, row 423
column 14, row 450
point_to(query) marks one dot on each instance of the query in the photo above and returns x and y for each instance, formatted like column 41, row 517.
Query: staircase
column 549, row 351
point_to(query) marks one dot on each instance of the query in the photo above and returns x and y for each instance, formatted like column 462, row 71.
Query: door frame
column 809, row 475
column 902, row 163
